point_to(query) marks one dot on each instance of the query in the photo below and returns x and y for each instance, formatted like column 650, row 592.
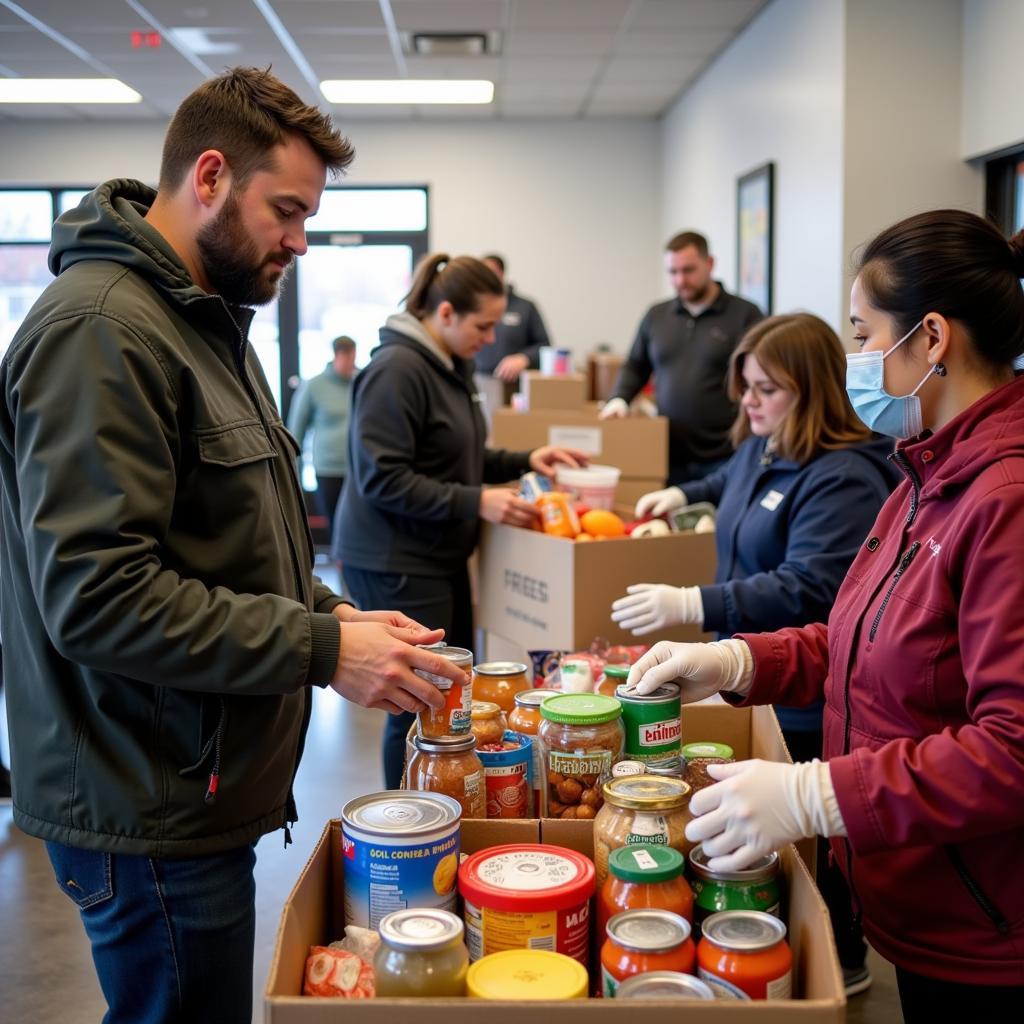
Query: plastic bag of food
column 361, row 941
column 336, row 972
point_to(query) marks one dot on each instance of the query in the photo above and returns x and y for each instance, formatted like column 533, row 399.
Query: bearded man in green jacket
column 162, row 626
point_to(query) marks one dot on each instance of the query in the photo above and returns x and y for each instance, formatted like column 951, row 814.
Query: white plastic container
column 595, row 485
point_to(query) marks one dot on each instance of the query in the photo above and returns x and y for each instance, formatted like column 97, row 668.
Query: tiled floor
column 46, row 971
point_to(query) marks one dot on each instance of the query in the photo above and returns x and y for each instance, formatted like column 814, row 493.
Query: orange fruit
column 580, row 537
column 603, row 524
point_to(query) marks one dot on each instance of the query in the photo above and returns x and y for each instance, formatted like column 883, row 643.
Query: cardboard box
column 632, row 489
column 637, row 445
column 313, row 916
column 566, row 392
column 548, row 593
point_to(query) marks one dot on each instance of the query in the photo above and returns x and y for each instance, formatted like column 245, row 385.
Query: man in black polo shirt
column 686, row 343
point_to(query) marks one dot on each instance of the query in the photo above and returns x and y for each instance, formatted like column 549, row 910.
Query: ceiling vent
column 451, row 44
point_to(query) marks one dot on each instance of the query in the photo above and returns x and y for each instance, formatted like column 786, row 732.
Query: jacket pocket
column 981, row 898
column 234, row 445
column 84, row 875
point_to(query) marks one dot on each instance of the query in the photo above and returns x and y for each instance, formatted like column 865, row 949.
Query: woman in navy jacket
column 795, row 503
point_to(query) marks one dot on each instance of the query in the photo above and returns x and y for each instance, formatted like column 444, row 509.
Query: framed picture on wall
column 755, row 193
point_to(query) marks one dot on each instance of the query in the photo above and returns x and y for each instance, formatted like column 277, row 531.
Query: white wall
column 993, row 113
column 573, row 206
column 775, row 94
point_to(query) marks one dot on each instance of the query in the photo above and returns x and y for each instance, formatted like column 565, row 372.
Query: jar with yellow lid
column 641, row 810
column 520, row 975
column 499, row 682
column 489, row 723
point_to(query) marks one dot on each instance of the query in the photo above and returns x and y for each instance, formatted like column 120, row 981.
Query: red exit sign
column 146, row 40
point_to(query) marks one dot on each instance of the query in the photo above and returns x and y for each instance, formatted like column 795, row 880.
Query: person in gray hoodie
column 409, row 517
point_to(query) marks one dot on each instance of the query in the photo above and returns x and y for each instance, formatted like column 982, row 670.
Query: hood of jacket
column 400, row 328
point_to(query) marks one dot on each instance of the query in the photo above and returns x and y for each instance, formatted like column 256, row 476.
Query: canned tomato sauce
column 743, row 954
column 754, row 888
column 652, row 723
column 527, row 896
column 400, row 850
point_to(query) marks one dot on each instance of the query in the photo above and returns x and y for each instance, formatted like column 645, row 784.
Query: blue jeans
column 172, row 940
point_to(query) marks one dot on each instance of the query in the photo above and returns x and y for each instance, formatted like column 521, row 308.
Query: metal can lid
column 625, row 769
column 649, row 931
column 534, row 698
column 445, row 744
column 761, row 870
column 394, row 813
column 667, row 693
column 664, row 985
column 745, row 931
column 420, row 928
column 500, row 668
column 581, row 709
column 460, row 655
column 646, row 793
column 669, row 767
column 646, row 864
column 692, row 750
column 432, row 647
column 484, row 709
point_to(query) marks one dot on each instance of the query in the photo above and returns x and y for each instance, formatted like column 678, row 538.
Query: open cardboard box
column 567, row 392
column 313, row 915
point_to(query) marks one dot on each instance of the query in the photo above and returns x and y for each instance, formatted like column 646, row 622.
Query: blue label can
column 399, row 850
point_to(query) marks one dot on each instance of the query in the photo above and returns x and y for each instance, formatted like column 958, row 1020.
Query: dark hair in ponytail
column 953, row 263
column 460, row 281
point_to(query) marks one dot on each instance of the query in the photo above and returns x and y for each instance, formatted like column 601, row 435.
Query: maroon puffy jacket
column 923, row 670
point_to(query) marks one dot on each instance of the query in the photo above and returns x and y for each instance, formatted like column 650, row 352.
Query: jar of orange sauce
column 499, row 682
column 743, row 954
column 558, row 517
column 525, row 720
column 644, row 878
column 640, row 941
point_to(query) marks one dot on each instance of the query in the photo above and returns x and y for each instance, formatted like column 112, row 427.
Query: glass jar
column 449, row 765
column 576, row 676
column 641, row 810
column 489, row 722
column 697, row 757
column 453, row 719
column 500, row 681
column 421, row 953
column 644, row 878
column 611, row 679
column 525, row 720
column 581, row 738
column 640, row 941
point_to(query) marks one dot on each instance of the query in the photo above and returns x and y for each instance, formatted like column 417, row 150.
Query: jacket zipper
column 990, row 910
column 903, row 566
column 907, row 468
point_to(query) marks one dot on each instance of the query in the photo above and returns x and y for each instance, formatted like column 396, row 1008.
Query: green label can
column 651, row 722
column 754, row 888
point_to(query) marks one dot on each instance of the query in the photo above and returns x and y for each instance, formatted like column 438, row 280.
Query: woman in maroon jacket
column 922, row 661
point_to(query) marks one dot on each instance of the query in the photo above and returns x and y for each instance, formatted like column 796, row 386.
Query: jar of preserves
column 652, row 723
column 664, row 985
column 525, row 720
column 421, row 953
column 640, row 941
column 454, row 718
column 449, row 765
column 641, row 810
column 754, row 888
column 697, row 757
column 611, row 679
column 499, row 682
column 743, row 954
column 489, row 722
column 644, row 878
column 581, row 738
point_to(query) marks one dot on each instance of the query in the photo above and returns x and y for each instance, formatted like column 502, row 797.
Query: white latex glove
column 701, row 670
column 660, row 503
column 758, row 807
column 614, row 409
column 652, row 607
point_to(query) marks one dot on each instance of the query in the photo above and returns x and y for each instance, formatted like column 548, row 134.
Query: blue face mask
column 897, row 416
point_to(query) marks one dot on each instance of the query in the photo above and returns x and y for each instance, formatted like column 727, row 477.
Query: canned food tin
column 652, row 726
column 664, row 985
column 623, row 769
column 527, row 896
column 754, row 888
column 508, row 776
column 743, row 954
column 454, row 718
column 641, row 941
column 400, row 850
column 668, row 767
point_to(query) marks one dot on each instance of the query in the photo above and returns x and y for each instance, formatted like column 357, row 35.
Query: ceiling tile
column 531, row 69
column 569, row 15
column 448, row 15
column 695, row 43
column 695, row 14
column 557, row 44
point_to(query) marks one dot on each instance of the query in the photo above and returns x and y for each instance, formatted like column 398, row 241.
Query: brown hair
column 802, row 354
column 685, row 239
column 343, row 343
column 245, row 113
column 460, row 281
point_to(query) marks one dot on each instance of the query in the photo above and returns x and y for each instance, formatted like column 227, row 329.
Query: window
column 1004, row 190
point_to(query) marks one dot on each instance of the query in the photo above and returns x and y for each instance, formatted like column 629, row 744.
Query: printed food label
column 659, row 734
column 643, row 860
column 527, row 870
column 780, row 988
column 593, row 762
column 723, row 989
column 472, row 783
column 609, row 985
column 564, row 931
column 508, row 792
column 649, row 829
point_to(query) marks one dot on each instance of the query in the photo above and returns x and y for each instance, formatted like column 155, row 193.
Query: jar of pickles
column 489, row 722
column 499, row 682
column 449, row 765
column 421, row 954
column 611, row 679
column 640, row 941
column 581, row 738
column 453, row 719
column 525, row 720
column 641, row 810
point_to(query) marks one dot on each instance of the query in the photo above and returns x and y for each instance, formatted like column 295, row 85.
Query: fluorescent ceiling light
column 66, row 90
column 416, row 91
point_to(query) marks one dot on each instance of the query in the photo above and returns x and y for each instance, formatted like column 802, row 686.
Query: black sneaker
column 856, row 980
column 5, row 785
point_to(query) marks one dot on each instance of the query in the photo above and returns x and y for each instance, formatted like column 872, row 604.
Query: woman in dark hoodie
column 410, row 513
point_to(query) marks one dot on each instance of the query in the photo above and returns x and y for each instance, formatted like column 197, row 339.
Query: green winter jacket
column 161, row 624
